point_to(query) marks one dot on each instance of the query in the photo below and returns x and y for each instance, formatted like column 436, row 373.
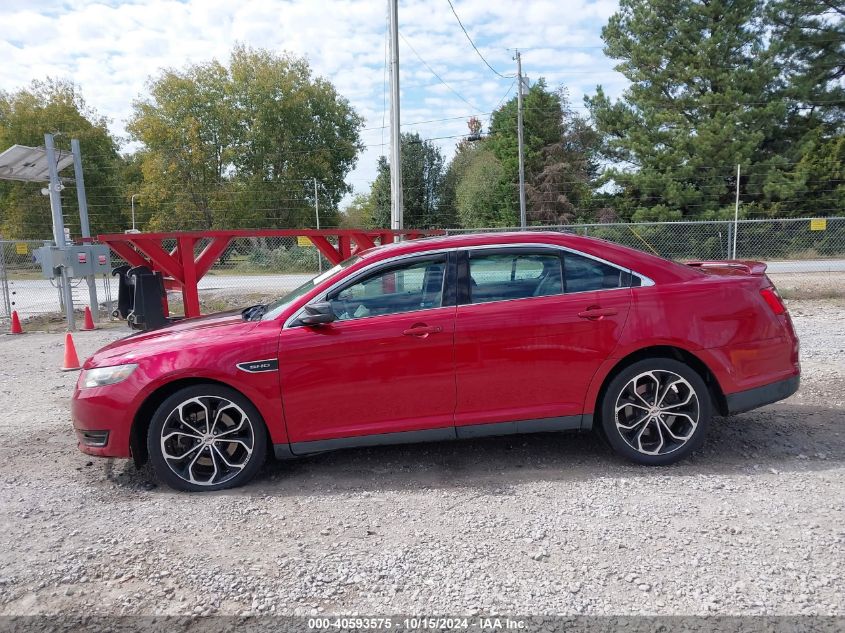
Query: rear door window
column 505, row 276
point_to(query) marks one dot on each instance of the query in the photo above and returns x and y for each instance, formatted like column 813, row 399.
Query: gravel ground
column 752, row 524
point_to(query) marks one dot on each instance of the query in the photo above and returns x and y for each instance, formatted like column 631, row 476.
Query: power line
column 431, row 70
column 502, row 100
column 461, row 24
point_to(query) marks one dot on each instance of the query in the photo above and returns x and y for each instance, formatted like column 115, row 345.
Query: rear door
column 533, row 325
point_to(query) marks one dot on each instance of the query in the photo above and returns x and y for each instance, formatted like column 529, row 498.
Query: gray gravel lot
column 752, row 524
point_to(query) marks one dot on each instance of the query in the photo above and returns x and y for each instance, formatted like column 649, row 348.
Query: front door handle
column 422, row 330
column 595, row 312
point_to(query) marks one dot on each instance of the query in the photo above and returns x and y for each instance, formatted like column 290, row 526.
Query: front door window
column 416, row 285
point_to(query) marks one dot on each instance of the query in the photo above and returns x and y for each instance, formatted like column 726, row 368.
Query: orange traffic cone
column 89, row 322
column 16, row 324
column 71, row 359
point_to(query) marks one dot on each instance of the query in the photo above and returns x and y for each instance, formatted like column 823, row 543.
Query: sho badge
column 257, row 366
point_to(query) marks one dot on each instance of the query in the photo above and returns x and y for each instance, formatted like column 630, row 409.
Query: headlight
column 101, row 376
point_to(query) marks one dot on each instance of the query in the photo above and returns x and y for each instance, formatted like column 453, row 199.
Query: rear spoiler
column 731, row 267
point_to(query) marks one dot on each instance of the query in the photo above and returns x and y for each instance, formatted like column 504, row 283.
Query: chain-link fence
column 795, row 245
column 258, row 269
column 25, row 291
column 21, row 283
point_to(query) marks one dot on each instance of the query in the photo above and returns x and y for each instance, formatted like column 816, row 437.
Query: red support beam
column 132, row 257
column 344, row 245
column 190, row 294
column 363, row 241
column 326, row 248
column 163, row 260
column 216, row 247
column 182, row 268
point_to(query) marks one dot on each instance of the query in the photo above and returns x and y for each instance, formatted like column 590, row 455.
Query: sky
column 111, row 49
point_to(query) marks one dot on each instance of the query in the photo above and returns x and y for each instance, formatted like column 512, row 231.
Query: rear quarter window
column 582, row 274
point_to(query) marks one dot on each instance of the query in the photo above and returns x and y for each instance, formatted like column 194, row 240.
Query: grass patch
column 24, row 275
column 52, row 322
column 811, row 292
column 211, row 303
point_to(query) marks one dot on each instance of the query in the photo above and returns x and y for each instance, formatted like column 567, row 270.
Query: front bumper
column 102, row 413
column 742, row 401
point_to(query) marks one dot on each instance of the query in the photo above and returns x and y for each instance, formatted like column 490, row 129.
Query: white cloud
column 110, row 49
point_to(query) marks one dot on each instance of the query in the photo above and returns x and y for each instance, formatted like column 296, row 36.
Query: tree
column 292, row 129
column 465, row 153
column 380, row 199
column 188, row 129
column 58, row 107
column 481, row 189
column 240, row 145
column 358, row 214
column 562, row 188
column 560, row 163
column 699, row 102
column 809, row 45
column 542, row 120
column 814, row 185
column 423, row 172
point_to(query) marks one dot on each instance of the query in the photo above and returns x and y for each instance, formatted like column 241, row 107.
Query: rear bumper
column 752, row 398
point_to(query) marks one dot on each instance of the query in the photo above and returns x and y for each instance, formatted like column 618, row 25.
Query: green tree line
column 711, row 84
column 237, row 145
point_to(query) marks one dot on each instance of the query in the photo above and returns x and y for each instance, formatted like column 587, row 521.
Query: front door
column 530, row 333
column 386, row 365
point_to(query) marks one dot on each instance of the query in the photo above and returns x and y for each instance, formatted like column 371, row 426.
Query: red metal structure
column 182, row 267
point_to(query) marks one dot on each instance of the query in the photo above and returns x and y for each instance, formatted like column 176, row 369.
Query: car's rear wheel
column 206, row 437
column 656, row 411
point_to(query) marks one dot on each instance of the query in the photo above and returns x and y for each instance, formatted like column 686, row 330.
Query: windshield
column 275, row 308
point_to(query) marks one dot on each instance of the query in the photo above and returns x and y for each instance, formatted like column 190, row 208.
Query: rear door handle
column 594, row 312
column 422, row 330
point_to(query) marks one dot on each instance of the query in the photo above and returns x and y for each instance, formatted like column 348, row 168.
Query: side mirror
column 318, row 314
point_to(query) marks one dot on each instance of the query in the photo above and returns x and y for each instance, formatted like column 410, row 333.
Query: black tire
column 227, row 459
column 659, row 432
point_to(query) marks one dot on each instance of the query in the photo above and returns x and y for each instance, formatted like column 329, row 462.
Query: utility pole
column 85, row 227
column 396, row 207
column 55, row 188
column 736, row 211
column 317, row 216
column 523, row 219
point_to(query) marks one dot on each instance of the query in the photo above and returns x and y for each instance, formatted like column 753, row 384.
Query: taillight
column 772, row 298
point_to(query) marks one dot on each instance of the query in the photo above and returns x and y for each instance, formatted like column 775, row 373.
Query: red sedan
column 443, row 339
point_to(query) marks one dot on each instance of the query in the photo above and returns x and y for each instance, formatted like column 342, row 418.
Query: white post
column 132, row 202
column 396, row 207
column 523, row 219
column 59, row 225
column 85, row 227
column 317, row 216
column 736, row 212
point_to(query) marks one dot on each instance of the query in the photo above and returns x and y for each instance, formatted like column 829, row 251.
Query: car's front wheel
column 656, row 411
column 206, row 437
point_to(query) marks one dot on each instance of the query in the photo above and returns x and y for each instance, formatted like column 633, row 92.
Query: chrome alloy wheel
column 207, row 440
column 657, row 412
